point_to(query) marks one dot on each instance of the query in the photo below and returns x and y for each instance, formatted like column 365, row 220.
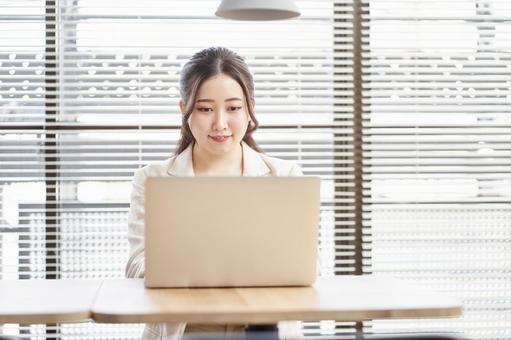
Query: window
column 436, row 93
column 400, row 106
column 89, row 93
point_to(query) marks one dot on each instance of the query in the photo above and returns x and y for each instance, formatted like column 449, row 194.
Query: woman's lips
column 219, row 139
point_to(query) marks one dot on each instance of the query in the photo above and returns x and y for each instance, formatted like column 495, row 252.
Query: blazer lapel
column 182, row 164
column 253, row 162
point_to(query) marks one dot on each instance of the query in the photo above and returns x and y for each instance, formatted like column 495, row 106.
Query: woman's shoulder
column 282, row 167
column 153, row 169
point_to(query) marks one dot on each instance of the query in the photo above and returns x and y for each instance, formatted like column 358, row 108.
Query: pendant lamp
column 257, row 9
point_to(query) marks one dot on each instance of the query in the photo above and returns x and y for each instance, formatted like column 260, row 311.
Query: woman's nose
column 220, row 121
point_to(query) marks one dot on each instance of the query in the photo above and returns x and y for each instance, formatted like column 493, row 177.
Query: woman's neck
column 206, row 164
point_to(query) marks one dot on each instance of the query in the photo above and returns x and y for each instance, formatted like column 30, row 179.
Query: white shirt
column 254, row 164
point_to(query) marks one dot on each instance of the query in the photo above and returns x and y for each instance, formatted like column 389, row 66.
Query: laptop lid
column 231, row 231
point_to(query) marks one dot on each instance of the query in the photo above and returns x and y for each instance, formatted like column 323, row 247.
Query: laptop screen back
column 231, row 232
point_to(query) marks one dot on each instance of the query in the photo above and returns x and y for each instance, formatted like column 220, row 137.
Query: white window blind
column 402, row 108
column 89, row 93
column 437, row 146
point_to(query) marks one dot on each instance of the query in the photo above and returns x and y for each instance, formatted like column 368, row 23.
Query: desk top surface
column 343, row 298
column 46, row 301
column 346, row 298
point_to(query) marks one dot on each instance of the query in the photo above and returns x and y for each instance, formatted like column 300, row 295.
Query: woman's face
column 220, row 117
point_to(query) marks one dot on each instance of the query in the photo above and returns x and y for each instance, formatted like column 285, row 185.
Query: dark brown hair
column 204, row 65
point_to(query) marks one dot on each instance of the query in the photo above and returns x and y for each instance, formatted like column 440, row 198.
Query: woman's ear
column 182, row 106
column 253, row 103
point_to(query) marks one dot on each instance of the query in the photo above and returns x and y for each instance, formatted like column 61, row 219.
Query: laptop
column 231, row 231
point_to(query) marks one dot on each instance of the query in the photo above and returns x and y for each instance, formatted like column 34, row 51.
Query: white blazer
column 254, row 164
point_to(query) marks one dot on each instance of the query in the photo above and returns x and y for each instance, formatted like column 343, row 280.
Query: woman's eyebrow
column 212, row 101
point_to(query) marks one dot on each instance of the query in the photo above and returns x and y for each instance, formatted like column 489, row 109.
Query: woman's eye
column 204, row 109
column 235, row 108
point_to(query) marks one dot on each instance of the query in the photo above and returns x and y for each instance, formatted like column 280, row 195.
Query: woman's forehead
column 220, row 86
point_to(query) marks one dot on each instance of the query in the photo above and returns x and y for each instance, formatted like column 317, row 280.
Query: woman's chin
column 221, row 148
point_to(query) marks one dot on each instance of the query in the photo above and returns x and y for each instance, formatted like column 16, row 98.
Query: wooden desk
column 343, row 298
column 46, row 301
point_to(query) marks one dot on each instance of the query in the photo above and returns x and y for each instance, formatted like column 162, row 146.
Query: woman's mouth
column 219, row 139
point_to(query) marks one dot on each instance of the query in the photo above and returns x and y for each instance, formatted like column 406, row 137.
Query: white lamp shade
column 257, row 9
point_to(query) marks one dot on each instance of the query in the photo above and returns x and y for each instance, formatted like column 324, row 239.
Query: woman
column 217, row 106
